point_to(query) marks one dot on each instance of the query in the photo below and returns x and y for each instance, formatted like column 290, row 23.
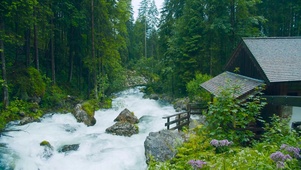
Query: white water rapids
column 97, row 149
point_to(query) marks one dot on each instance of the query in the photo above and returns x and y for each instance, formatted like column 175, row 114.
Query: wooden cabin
column 275, row 62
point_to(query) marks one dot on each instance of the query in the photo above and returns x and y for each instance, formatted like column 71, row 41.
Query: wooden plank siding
column 284, row 100
column 246, row 64
column 286, row 88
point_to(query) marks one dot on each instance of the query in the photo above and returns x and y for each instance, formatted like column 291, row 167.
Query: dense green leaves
column 230, row 118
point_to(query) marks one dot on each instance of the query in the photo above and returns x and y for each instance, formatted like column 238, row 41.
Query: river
column 21, row 150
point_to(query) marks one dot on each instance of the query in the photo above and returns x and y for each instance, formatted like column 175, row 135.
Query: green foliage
column 227, row 116
column 106, row 103
column 278, row 132
column 90, row 106
column 29, row 83
column 53, row 96
column 195, row 92
column 197, row 147
column 18, row 109
column 36, row 82
column 148, row 67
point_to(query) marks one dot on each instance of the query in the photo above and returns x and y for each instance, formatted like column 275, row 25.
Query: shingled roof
column 279, row 58
column 228, row 79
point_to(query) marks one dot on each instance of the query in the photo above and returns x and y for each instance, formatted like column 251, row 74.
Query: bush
column 53, row 97
column 197, row 149
column 28, row 83
column 195, row 92
column 278, row 132
column 227, row 116
column 18, row 109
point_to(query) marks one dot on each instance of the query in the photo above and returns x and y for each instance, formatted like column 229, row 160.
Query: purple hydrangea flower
column 214, row 142
column 294, row 151
column 224, row 142
column 280, row 157
column 218, row 143
column 197, row 163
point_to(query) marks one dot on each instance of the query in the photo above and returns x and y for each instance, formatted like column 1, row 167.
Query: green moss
column 89, row 107
column 106, row 103
column 37, row 84
column 137, row 127
column 28, row 82
column 45, row 143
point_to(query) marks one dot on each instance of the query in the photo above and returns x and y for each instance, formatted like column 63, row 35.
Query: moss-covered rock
column 48, row 149
column 81, row 115
column 123, row 129
column 89, row 108
column 127, row 116
column 45, row 143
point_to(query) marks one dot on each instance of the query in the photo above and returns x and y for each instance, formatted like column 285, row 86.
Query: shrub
column 195, row 92
column 28, row 82
column 18, row 109
column 227, row 116
column 278, row 132
column 53, row 96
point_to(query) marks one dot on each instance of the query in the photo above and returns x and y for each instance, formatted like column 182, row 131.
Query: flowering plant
column 280, row 158
column 221, row 145
column 197, row 164
column 292, row 151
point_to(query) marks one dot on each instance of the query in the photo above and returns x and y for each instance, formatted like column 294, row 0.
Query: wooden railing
column 183, row 119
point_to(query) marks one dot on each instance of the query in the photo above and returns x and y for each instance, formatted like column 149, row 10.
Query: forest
column 51, row 49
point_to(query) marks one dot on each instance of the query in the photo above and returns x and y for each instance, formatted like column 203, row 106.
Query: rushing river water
column 21, row 150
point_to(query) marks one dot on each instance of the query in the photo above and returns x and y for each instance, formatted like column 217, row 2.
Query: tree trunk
column 93, row 51
column 36, row 50
column 52, row 60
column 27, row 47
column 71, row 54
column 4, row 86
column 71, row 66
column 232, row 18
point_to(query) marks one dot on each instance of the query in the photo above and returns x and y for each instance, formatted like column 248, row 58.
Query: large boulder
column 161, row 146
column 123, row 129
column 126, row 124
column 134, row 79
column 126, row 116
column 82, row 116
column 181, row 104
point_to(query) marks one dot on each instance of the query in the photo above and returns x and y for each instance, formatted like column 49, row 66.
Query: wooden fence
column 183, row 119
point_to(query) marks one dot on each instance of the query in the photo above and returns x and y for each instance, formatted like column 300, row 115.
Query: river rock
column 127, row 116
column 82, row 116
column 161, row 146
column 181, row 104
column 48, row 150
column 134, row 79
column 26, row 120
column 68, row 148
column 123, row 129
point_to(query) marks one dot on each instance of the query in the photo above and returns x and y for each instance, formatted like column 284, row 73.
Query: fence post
column 168, row 123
